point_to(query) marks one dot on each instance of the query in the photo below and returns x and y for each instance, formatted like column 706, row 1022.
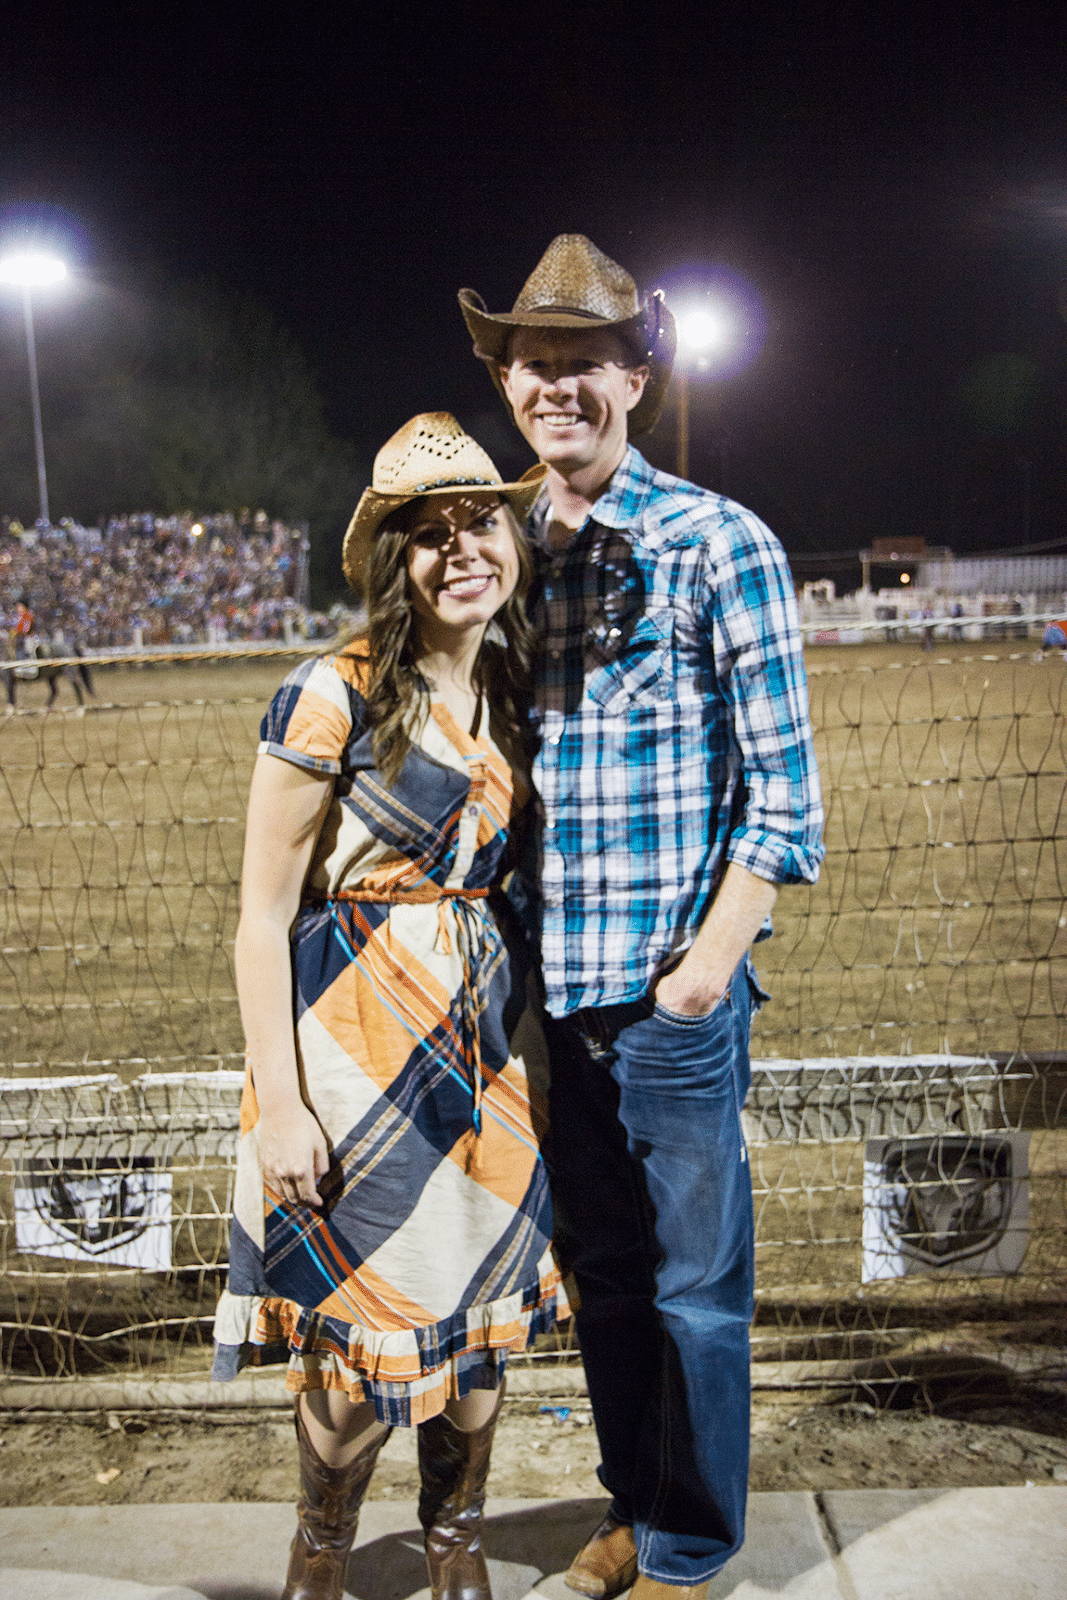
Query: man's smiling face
column 571, row 391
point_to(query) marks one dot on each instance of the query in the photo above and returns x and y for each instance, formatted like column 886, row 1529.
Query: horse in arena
column 37, row 660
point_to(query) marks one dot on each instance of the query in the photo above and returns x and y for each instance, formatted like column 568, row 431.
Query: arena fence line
column 907, row 1123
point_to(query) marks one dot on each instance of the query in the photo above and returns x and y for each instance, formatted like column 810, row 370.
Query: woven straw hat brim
column 373, row 508
column 491, row 331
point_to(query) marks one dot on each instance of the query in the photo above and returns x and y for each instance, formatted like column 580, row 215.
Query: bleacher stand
column 156, row 581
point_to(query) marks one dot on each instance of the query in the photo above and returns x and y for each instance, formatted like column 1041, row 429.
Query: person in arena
column 391, row 1234
column 22, row 641
column 25, row 626
column 680, row 789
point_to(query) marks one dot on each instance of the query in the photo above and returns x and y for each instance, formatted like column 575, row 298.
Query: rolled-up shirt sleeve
column 752, row 613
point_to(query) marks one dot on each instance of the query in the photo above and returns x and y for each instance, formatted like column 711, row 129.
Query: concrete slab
column 239, row 1551
column 952, row 1544
column 974, row 1544
column 195, row 1547
column 784, row 1540
column 27, row 1585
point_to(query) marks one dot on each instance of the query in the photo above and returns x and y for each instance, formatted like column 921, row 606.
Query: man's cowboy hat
column 430, row 455
column 575, row 285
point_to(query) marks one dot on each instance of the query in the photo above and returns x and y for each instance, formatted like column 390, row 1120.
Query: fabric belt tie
column 470, row 930
column 418, row 895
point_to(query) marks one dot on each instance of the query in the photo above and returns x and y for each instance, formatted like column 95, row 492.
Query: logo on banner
column 951, row 1203
column 108, row 1209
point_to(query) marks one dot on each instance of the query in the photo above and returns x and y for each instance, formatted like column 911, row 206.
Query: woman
column 391, row 1221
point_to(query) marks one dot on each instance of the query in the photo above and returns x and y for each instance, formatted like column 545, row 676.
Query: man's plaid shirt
column 674, row 727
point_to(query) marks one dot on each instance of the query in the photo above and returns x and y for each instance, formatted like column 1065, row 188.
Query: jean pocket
column 671, row 1056
column 757, row 994
column 682, row 1019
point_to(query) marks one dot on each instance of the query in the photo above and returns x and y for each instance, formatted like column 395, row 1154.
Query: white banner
column 947, row 1205
column 105, row 1210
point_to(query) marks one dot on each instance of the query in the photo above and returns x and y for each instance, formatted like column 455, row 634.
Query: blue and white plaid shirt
column 674, row 724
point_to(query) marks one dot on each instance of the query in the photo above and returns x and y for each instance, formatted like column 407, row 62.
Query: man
column 679, row 789
column 23, row 636
column 25, row 626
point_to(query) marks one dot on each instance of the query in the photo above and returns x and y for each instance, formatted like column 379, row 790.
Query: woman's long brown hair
column 398, row 693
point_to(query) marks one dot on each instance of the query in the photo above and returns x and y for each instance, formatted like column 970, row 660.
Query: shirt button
column 550, row 823
column 472, row 811
column 554, row 738
column 555, row 654
column 552, row 902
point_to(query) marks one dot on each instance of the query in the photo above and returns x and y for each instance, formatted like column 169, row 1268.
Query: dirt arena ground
column 539, row 1453
column 943, row 773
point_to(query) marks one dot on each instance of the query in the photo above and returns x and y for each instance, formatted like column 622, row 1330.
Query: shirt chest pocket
column 642, row 673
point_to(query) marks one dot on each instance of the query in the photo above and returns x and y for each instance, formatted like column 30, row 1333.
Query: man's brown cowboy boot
column 327, row 1513
column 652, row 1589
column 454, row 1466
column 606, row 1565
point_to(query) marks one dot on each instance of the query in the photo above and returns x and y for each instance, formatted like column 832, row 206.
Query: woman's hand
column 294, row 1153
column 286, row 809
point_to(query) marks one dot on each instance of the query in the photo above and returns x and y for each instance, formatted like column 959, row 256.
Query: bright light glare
column 31, row 269
column 720, row 319
column 703, row 330
column 905, row 577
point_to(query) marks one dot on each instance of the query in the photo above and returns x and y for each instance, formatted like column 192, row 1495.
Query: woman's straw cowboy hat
column 575, row 285
column 430, row 455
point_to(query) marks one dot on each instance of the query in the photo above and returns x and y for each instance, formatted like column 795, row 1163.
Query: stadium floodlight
column 706, row 335
column 721, row 326
column 704, row 332
column 28, row 270
column 31, row 269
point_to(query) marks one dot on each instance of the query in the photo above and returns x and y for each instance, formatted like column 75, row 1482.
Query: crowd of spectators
column 144, row 580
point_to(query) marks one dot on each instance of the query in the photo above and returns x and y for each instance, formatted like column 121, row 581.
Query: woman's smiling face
column 462, row 562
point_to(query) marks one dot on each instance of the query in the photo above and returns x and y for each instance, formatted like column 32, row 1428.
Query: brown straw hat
column 575, row 285
column 430, row 455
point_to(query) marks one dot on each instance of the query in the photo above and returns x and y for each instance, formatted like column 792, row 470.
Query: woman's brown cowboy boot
column 327, row 1513
column 454, row 1466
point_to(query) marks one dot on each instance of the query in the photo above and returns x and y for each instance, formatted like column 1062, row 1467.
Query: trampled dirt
column 128, row 1459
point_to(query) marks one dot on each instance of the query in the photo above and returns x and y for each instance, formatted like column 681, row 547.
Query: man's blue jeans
column 653, row 1208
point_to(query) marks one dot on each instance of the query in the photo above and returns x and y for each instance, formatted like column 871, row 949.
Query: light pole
column 29, row 270
column 705, row 333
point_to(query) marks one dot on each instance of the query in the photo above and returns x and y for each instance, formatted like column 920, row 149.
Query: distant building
column 904, row 551
column 917, row 591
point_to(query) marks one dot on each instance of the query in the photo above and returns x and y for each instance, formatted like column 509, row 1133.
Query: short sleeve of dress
column 310, row 718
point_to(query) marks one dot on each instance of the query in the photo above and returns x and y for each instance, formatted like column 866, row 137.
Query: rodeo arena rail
column 907, row 1121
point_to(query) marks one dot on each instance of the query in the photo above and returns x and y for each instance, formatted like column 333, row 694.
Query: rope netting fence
column 908, row 1115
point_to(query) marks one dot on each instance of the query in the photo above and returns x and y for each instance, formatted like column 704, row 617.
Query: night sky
column 888, row 180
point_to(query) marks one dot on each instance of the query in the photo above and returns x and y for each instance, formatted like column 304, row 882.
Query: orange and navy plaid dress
column 424, row 1062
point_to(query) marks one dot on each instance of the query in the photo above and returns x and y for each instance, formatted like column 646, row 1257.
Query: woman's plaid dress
column 423, row 1060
